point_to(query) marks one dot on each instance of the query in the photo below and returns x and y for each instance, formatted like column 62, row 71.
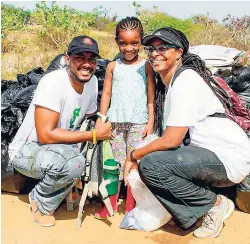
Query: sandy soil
column 18, row 228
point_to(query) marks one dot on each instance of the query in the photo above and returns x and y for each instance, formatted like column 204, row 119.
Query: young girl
column 127, row 99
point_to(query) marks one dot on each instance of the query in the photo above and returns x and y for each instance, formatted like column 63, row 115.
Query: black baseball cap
column 82, row 44
column 164, row 35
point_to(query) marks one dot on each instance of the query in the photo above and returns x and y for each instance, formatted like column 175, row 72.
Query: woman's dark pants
column 181, row 179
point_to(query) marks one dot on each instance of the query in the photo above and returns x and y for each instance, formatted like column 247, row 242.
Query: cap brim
column 147, row 39
column 83, row 50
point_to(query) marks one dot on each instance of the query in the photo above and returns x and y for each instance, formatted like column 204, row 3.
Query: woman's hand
column 127, row 167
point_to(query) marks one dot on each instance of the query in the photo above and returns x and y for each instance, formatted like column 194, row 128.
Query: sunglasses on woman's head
column 160, row 49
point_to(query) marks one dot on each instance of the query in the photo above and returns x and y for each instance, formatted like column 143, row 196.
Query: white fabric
column 215, row 55
column 188, row 103
column 55, row 92
column 149, row 214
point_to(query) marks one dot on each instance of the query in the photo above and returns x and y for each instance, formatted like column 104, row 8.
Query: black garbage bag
column 11, row 119
column 30, row 78
column 101, row 66
column 6, row 84
column 11, row 89
column 11, row 180
column 15, row 99
column 18, row 96
column 8, row 95
column 57, row 63
column 246, row 96
column 240, row 79
column 35, row 75
column 243, row 195
column 6, row 169
column 23, row 98
column 224, row 73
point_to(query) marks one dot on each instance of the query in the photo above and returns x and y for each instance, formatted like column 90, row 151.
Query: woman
column 218, row 155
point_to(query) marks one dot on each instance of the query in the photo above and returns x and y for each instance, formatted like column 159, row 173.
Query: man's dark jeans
column 181, row 178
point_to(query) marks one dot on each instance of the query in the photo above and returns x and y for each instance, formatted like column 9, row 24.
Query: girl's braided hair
column 129, row 23
column 188, row 59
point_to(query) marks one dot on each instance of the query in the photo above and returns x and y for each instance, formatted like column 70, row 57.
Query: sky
column 180, row 9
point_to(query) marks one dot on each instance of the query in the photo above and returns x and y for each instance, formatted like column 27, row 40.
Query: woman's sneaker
column 214, row 219
column 38, row 218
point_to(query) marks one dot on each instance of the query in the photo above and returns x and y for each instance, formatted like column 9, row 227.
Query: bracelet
column 94, row 136
column 132, row 159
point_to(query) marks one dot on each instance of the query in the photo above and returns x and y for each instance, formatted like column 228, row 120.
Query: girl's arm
column 151, row 98
column 107, row 89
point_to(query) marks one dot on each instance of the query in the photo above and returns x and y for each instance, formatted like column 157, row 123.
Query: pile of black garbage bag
column 238, row 78
column 16, row 97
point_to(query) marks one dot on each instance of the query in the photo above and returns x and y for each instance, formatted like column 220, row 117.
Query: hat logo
column 158, row 33
column 87, row 41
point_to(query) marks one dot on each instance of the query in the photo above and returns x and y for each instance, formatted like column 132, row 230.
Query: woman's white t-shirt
column 188, row 103
column 55, row 92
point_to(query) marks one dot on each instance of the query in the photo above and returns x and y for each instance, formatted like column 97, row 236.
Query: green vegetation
column 34, row 38
column 13, row 19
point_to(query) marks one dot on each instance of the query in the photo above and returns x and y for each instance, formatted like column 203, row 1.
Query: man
column 45, row 145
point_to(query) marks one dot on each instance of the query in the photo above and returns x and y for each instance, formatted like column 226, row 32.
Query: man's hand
column 103, row 130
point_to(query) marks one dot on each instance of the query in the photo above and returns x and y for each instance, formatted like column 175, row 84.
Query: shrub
column 154, row 19
column 234, row 32
column 13, row 18
column 59, row 24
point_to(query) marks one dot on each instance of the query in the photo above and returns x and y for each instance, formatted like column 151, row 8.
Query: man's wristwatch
column 132, row 159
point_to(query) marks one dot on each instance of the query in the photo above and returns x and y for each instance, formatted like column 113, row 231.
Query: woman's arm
column 172, row 138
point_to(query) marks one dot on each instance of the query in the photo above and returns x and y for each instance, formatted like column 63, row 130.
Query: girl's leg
column 180, row 180
column 134, row 137
column 119, row 151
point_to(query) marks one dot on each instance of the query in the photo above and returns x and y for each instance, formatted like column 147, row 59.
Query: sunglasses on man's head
column 160, row 49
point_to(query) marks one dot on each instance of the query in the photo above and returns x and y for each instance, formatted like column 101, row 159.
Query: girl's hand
column 98, row 122
column 148, row 130
column 127, row 167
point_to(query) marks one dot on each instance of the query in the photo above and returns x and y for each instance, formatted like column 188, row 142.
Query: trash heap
column 230, row 64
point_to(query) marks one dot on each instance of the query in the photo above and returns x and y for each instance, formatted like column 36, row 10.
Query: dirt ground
column 18, row 228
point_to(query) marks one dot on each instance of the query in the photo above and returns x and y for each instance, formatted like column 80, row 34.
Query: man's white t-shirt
column 188, row 103
column 55, row 92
